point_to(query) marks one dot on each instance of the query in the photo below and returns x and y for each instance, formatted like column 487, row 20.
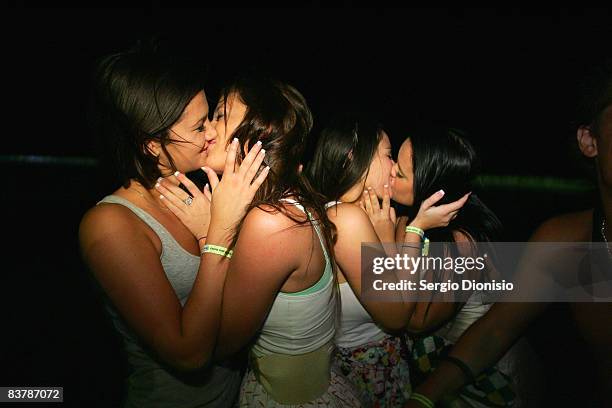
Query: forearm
column 201, row 314
column 481, row 346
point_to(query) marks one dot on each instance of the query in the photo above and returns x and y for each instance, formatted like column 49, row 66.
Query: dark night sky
column 506, row 76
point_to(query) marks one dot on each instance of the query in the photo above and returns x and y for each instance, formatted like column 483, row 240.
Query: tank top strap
column 167, row 240
column 332, row 203
column 314, row 223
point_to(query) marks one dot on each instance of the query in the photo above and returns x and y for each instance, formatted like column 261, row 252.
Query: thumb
column 213, row 179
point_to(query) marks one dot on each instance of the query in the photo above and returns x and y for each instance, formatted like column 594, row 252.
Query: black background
column 506, row 76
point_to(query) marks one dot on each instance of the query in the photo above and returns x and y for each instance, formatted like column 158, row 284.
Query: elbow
column 189, row 362
column 393, row 326
column 420, row 326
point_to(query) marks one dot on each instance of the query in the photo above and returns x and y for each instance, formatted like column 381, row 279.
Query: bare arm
column 489, row 338
column 265, row 255
column 126, row 264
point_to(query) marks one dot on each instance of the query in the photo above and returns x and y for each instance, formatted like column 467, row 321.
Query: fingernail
column 441, row 192
column 263, row 151
column 267, row 167
column 235, row 140
column 258, row 142
column 385, row 186
column 156, row 185
column 204, row 168
column 161, row 197
column 205, row 186
column 159, row 179
column 176, row 173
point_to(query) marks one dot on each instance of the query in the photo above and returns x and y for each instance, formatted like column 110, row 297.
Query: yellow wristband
column 217, row 250
column 415, row 230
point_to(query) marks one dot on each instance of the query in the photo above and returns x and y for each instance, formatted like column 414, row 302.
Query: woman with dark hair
column 427, row 162
column 352, row 157
column 489, row 338
column 279, row 296
column 162, row 290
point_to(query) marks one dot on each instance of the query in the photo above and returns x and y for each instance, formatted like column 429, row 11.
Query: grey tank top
column 151, row 382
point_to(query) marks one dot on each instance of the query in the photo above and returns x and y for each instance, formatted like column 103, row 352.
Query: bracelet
column 467, row 372
column 217, row 250
column 420, row 233
column 415, row 230
column 426, row 402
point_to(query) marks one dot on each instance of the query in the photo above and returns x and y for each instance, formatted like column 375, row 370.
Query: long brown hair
column 277, row 115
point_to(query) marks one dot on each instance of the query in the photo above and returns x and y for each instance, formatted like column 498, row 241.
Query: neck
column 353, row 195
column 152, row 194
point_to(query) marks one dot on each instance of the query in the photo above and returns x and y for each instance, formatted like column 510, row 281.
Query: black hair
column 443, row 158
column 343, row 153
column 138, row 95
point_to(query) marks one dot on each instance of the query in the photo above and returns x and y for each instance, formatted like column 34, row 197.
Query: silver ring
column 188, row 200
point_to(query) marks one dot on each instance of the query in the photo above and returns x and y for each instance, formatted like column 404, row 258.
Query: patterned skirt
column 340, row 394
column 380, row 371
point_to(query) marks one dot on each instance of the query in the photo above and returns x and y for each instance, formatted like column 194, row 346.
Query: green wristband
column 415, row 230
column 217, row 250
column 426, row 402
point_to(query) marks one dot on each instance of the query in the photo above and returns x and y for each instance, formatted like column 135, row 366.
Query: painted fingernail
column 263, row 151
column 441, row 192
column 156, row 185
column 235, row 140
column 258, row 142
column 176, row 173
column 161, row 197
column 204, row 168
column 267, row 168
column 205, row 186
column 159, row 179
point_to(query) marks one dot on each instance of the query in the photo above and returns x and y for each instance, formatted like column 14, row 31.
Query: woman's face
column 402, row 176
column 380, row 168
column 225, row 126
column 190, row 137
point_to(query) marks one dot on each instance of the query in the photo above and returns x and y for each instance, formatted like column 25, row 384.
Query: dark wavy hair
column 444, row 159
column 342, row 156
column 138, row 95
column 278, row 116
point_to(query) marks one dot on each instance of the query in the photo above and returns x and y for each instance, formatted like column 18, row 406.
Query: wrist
column 219, row 235
column 418, row 224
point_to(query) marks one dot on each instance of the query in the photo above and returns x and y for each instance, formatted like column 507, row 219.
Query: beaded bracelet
column 426, row 402
column 217, row 250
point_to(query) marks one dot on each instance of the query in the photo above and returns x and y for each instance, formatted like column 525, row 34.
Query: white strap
column 332, row 203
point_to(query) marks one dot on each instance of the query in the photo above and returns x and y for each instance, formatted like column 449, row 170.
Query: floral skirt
column 379, row 369
column 340, row 394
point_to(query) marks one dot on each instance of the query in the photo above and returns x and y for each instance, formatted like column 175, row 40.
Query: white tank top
column 356, row 326
column 304, row 321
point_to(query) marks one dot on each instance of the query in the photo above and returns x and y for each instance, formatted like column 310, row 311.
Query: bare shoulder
column 347, row 215
column 267, row 219
column 108, row 222
column 571, row 227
